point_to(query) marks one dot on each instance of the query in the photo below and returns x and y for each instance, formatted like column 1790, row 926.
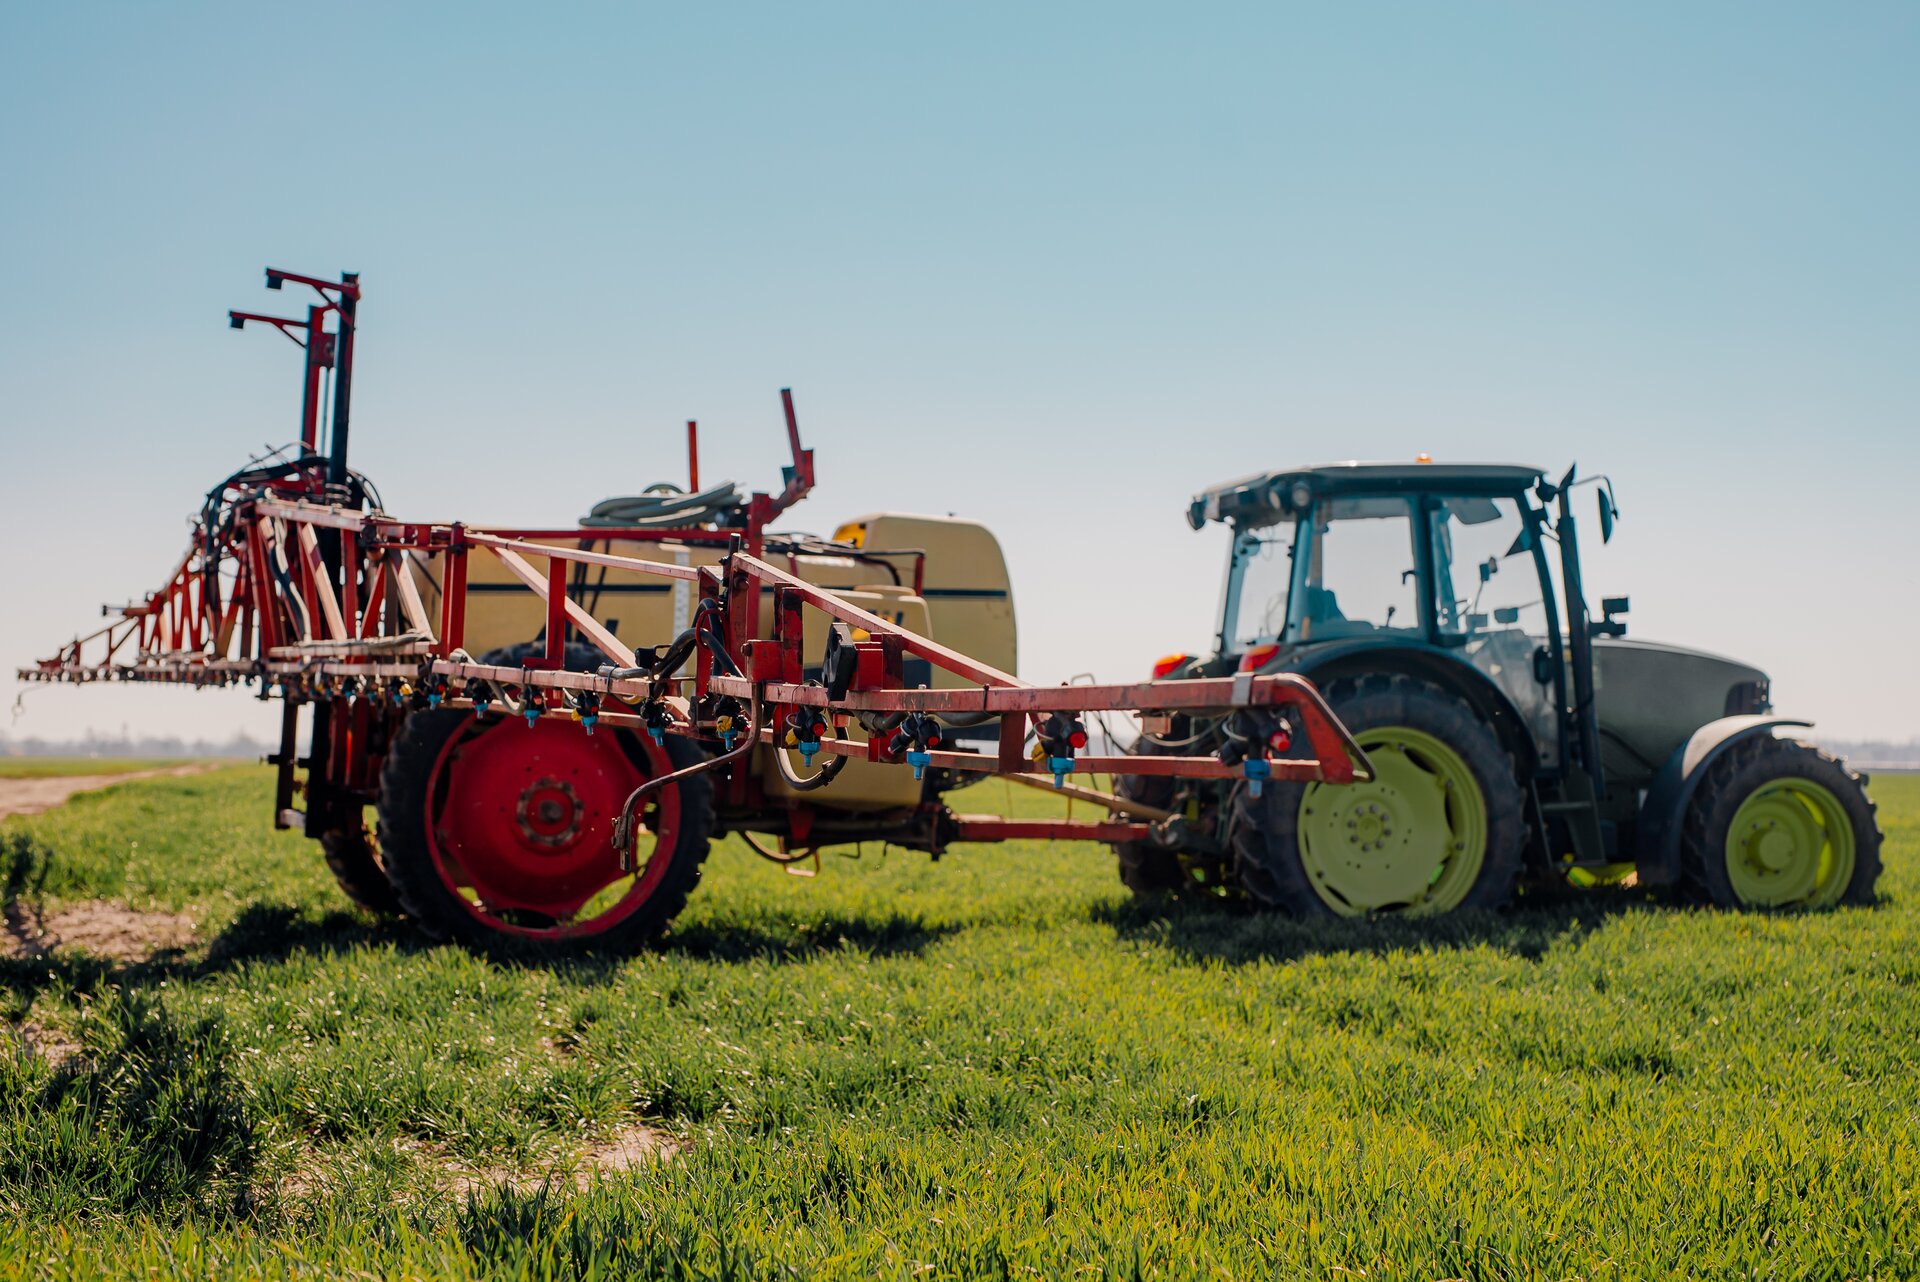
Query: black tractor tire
column 1264, row 830
column 355, row 861
column 1147, row 868
column 405, row 796
column 1734, row 776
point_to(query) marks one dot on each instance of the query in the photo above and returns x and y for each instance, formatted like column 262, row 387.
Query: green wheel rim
column 1414, row 840
column 1790, row 844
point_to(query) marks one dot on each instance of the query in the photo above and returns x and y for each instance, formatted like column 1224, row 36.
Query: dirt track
column 106, row 930
column 31, row 796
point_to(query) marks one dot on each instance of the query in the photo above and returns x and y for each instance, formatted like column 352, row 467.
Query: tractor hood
column 1653, row 696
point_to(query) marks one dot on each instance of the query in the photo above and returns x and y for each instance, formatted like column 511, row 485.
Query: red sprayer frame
column 293, row 587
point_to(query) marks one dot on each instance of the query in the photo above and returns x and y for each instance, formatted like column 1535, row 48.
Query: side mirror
column 1607, row 514
column 1489, row 568
column 1610, row 625
column 1507, row 614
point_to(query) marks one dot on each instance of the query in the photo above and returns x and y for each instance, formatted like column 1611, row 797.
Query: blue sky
column 1056, row 267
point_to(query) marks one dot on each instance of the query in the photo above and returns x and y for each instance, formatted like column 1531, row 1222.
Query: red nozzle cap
column 1078, row 738
column 1280, row 740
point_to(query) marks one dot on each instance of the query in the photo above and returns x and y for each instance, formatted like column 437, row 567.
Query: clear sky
column 1056, row 267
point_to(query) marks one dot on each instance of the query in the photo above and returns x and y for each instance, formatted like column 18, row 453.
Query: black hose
column 676, row 654
column 711, row 639
column 624, row 842
column 878, row 725
column 666, row 507
column 819, row 778
column 769, row 856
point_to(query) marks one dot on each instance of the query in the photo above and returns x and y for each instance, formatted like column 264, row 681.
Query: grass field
column 50, row 767
column 995, row 1066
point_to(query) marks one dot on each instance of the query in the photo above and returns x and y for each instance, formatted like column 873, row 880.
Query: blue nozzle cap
column 1258, row 770
column 807, row 748
column 587, row 719
column 726, row 738
column 531, row 713
column 1061, row 767
column 919, row 761
column 659, row 736
column 480, row 707
column 433, row 698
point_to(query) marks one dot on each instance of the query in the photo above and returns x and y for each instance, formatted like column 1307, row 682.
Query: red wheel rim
column 520, row 827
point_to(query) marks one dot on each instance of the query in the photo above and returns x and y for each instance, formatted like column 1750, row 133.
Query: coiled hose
column 665, row 505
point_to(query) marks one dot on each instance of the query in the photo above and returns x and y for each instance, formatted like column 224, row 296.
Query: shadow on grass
column 776, row 942
column 889, row 935
column 278, row 932
column 273, row 932
column 270, row 932
column 1215, row 933
column 148, row 1117
column 261, row 933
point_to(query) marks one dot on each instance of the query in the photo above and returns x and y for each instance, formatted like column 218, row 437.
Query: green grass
column 49, row 767
column 991, row 1066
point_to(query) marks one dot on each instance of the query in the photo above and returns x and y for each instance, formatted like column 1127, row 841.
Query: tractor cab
column 1295, row 581
column 1450, row 560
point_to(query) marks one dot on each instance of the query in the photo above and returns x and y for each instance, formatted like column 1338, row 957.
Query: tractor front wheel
column 1440, row 827
column 1780, row 824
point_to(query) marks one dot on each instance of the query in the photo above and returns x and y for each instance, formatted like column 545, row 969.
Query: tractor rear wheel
column 1780, row 824
column 1147, row 868
column 355, row 862
column 1441, row 827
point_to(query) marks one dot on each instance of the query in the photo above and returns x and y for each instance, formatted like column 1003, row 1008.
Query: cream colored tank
column 965, row 603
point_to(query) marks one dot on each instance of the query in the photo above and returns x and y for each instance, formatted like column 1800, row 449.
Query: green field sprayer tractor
column 1513, row 737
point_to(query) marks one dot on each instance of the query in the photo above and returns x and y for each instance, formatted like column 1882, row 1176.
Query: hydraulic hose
column 665, row 506
column 819, row 778
column 769, row 856
column 676, row 654
column 876, row 725
column 624, row 842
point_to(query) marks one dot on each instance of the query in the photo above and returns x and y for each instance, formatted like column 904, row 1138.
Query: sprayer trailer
column 536, row 733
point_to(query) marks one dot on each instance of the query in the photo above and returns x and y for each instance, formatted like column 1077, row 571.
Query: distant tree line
column 124, row 745
column 1868, row 754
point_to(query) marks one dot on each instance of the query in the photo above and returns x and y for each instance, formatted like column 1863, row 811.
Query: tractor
column 1512, row 735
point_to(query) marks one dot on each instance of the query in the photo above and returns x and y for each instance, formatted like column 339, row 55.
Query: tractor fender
column 1440, row 666
column 1662, row 814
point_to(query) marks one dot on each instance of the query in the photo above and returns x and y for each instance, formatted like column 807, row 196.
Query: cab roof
column 1267, row 497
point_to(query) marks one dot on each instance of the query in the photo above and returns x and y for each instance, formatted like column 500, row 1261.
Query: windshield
column 1484, row 573
column 1263, row 564
column 1349, row 573
column 1352, row 571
